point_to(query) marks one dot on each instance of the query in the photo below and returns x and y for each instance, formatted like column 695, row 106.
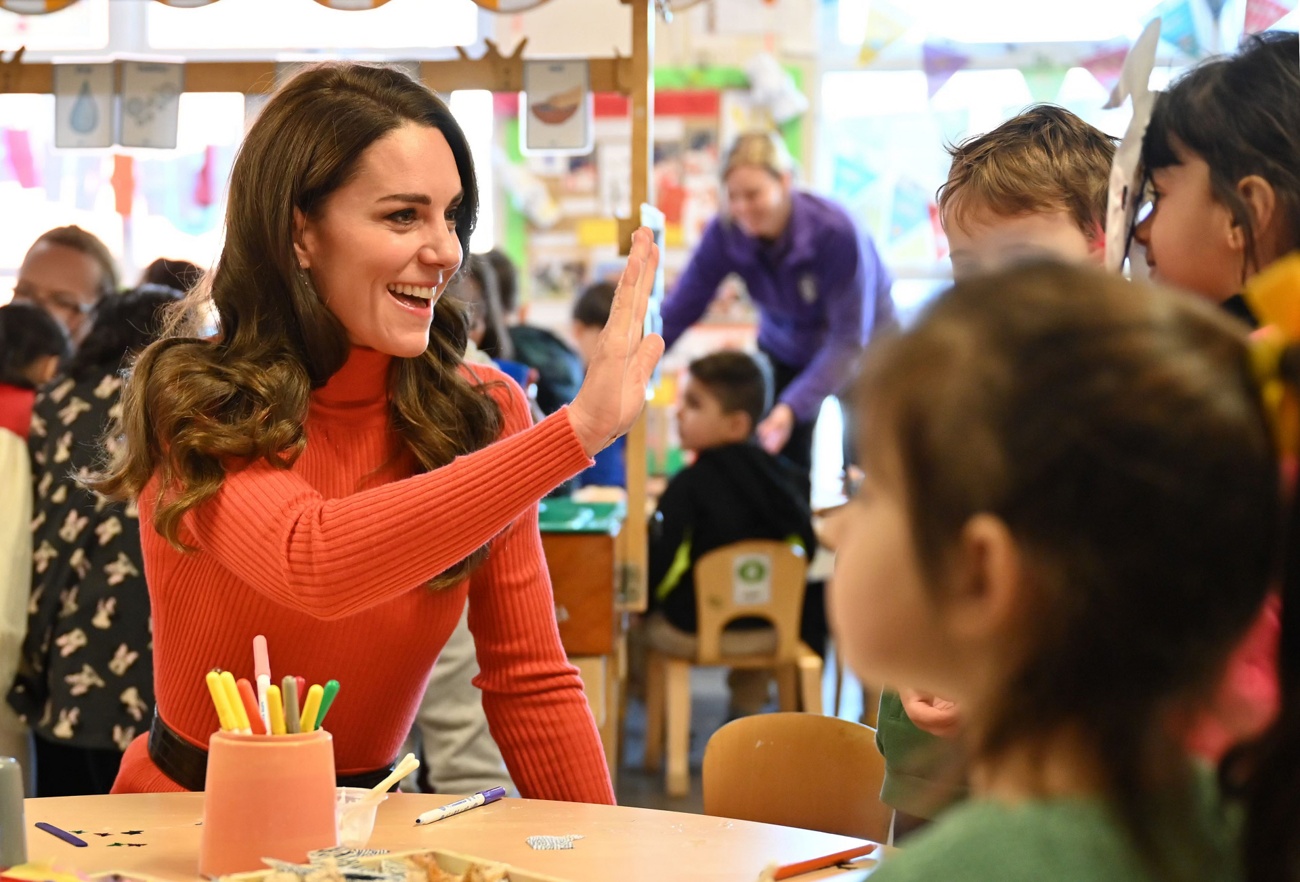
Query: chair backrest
column 799, row 770
column 758, row 578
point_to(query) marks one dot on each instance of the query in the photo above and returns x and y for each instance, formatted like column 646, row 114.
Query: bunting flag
column 911, row 208
column 1263, row 14
column 1106, row 64
column 1178, row 26
column 1044, row 81
column 123, row 184
column 18, row 147
column 940, row 63
column 1216, row 7
column 204, row 187
column 851, row 177
column 885, row 25
column 940, row 236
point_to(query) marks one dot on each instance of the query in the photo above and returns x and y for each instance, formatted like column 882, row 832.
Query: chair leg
column 787, row 687
column 810, row 682
column 678, row 682
column 654, row 712
column 839, row 681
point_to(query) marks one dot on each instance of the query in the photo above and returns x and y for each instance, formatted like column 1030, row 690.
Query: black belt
column 187, row 765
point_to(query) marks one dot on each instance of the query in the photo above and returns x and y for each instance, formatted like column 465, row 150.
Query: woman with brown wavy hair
column 327, row 472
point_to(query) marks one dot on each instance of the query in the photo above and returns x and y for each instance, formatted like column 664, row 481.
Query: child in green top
column 1035, row 186
column 1072, row 492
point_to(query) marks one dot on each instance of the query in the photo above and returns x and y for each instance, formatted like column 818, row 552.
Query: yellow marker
column 221, row 701
column 275, row 707
column 311, row 708
column 237, row 712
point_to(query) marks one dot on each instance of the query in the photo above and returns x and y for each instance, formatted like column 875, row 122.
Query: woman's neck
column 1062, row 763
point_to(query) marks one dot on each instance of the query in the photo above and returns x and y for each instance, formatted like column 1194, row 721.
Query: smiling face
column 758, row 200
column 383, row 248
column 63, row 281
column 1192, row 241
column 983, row 241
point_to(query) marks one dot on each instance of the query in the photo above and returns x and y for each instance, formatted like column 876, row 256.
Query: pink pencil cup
column 266, row 796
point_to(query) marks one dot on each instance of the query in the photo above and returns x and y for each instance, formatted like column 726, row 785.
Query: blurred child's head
column 476, row 287
column 1035, row 186
column 172, row 273
column 124, row 324
column 507, row 281
column 1070, row 511
column 1223, row 154
column 725, row 397
column 590, row 315
column 32, row 343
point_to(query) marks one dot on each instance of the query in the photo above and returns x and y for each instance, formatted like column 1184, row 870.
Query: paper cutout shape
column 1216, row 7
column 150, row 105
column 1125, row 173
column 352, row 5
column 83, row 102
column 885, row 24
column 35, row 7
column 186, row 4
column 1263, row 14
column 940, row 63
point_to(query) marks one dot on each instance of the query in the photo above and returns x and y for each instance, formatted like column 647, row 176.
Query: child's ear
column 1261, row 201
column 987, row 588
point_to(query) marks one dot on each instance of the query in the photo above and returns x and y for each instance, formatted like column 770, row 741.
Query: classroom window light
column 1001, row 21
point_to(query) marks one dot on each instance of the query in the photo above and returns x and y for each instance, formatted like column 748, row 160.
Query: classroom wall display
column 83, row 105
column 556, row 106
column 150, row 103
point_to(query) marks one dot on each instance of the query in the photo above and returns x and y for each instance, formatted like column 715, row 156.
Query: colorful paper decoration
column 1125, row 178
column 1216, row 7
column 851, row 177
column 186, row 4
column 885, row 24
column 511, row 5
column 911, row 208
column 940, row 63
column 1106, row 64
column 18, row 147
column 1178, row 26
column 1263, row 14
column 35, row 7
column 1044, row 81
column 123, row 184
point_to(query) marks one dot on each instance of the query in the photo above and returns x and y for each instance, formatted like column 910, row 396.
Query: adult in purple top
column 816, row 279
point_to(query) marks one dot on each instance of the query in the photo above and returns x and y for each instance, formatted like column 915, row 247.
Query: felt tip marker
column 483, row 797
column 262, row 676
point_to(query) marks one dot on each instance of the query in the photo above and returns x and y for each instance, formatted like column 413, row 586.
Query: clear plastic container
column 355, row 821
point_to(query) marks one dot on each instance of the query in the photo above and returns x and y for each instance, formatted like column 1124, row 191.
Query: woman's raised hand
column 613, row 393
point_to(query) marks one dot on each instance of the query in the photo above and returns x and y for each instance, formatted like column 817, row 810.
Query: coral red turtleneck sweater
column 329, row 560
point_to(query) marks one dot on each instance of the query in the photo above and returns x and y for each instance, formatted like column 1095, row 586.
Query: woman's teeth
column 412, row 291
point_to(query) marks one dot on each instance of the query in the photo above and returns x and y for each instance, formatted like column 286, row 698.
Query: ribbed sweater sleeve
column 330, row 558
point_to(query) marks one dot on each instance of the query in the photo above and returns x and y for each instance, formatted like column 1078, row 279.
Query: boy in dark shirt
column 734, row 491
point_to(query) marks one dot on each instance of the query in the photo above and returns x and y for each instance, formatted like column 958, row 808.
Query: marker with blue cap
column 483, row 797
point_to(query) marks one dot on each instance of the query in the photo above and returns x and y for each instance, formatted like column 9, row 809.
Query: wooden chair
column 755, row 579
column 799, row 770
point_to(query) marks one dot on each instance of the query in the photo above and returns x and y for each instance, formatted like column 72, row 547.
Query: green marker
column 331, row 691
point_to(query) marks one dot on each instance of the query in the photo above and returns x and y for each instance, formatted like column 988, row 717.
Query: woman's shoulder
column 828, row 217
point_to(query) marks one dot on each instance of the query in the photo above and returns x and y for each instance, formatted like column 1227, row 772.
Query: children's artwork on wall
column 556, row 106
column 83, row 105
column 150, row 104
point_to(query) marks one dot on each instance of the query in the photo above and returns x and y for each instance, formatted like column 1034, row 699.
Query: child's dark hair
column 1118, row 432
column 172, row 273
column 1044, row 159
column 496, row 340
column 1241, row 114
column 123, row 325
column 507, row 279
column 28, row 333
column 738, row 380
column 593, row 304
